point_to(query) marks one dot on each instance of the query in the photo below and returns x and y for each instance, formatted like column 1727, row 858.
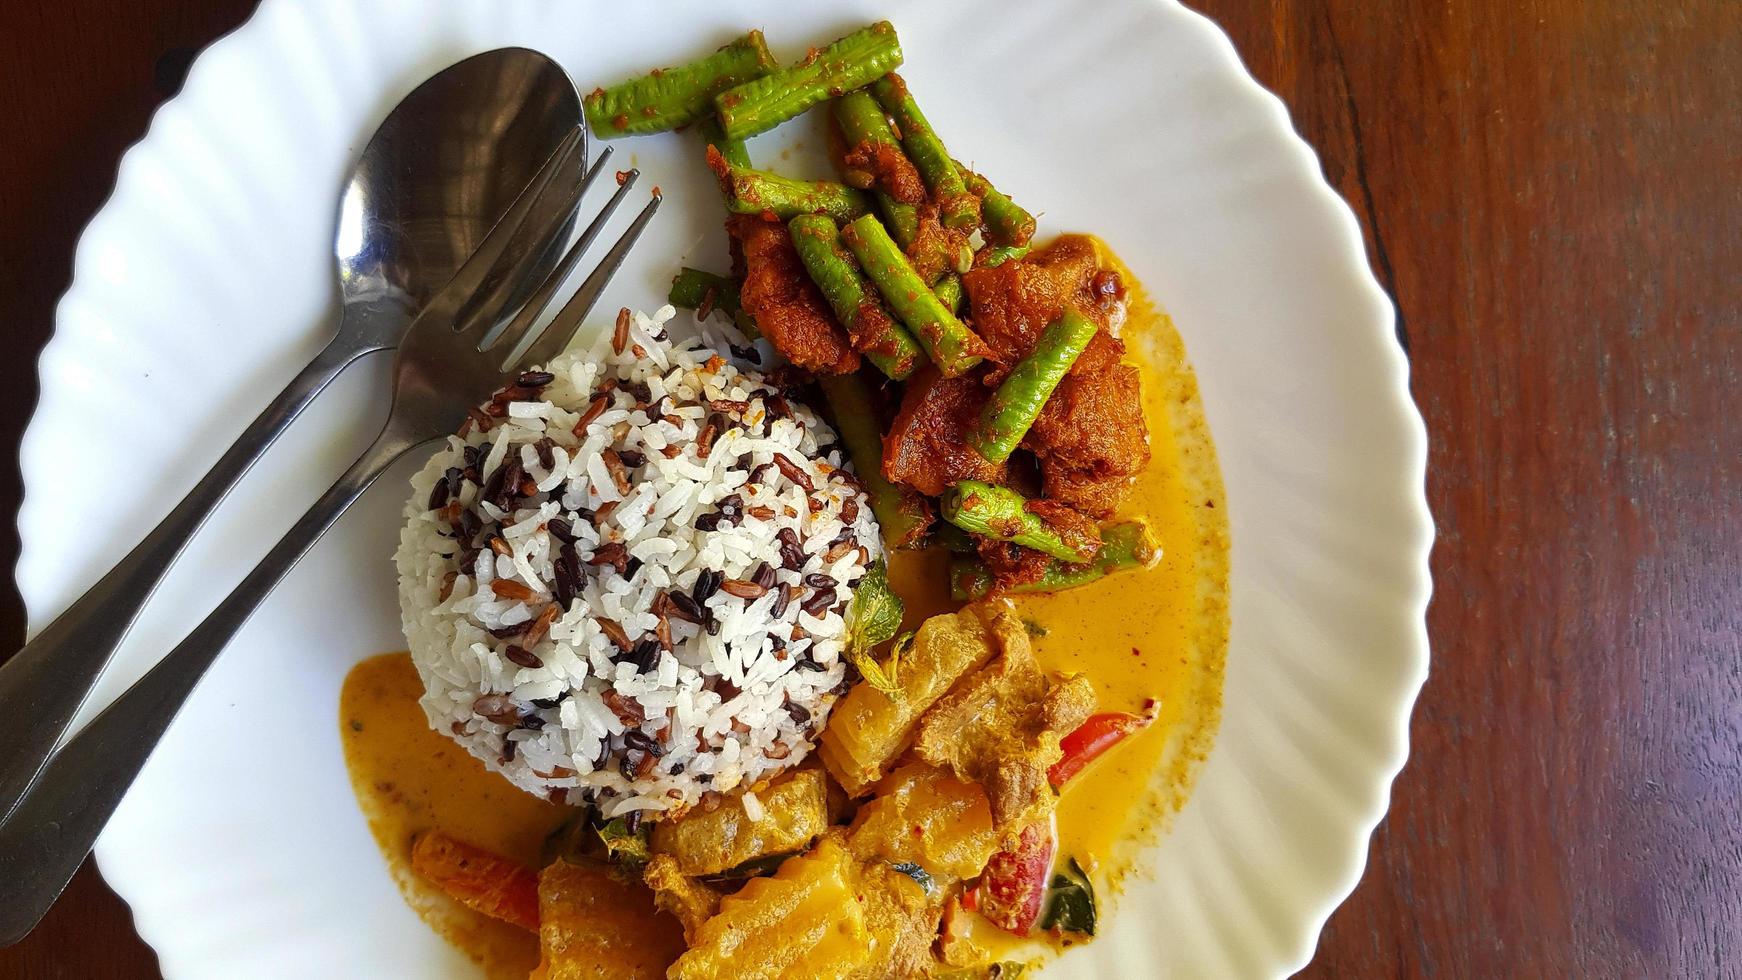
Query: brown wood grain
column 1550, row 190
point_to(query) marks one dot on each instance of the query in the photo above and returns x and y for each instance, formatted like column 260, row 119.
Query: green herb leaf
column 623, row 847
column 920, row 876
column 874, row 617
column 1070, row 901
column 876, row 611
column 902, row 644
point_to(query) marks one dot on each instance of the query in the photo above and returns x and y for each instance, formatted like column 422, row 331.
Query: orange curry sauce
column 1158, row 633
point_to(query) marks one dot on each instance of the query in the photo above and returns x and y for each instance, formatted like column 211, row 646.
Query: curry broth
column 408, row 779
column 1158, row 633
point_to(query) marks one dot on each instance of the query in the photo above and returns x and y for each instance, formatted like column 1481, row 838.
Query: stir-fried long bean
column 956, row 206
column 751, row 191
column 949, row 292
column 884, row 342
column 1007, row 223
column 993, row 256
column 852, row 62
column 1013, row 408
column 1123, row 546
column 733, row 152
column 693, row 289
column 1003, row 514
column 863, row 123
column 948, row 340
column 672, row 97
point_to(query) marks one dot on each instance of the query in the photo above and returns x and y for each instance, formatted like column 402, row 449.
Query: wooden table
column 1552, row 191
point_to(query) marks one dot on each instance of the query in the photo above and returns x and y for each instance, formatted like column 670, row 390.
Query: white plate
column 205, row 281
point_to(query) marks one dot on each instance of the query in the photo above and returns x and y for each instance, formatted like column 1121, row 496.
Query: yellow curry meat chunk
column 690, row 901
column 868, row 729
column 902, row 920
column 593, row 924
column 926, row 816
column 805, row 923
column 707, row 842
column 1001, row 726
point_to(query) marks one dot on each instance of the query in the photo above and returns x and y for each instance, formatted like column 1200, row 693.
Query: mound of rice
column 625, row 582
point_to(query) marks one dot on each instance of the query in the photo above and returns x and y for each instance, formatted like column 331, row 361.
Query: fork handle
column 44, row 684
column 48, row 835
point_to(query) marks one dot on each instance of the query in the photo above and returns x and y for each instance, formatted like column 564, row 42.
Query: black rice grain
column 763, row 575
column 522, row 657
column 635, row 738
column 791, row 551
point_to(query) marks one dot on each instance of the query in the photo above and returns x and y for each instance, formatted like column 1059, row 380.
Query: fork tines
column 527, row 348
column 538, row 219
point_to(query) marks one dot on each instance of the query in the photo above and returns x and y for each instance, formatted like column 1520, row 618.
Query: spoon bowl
column 442, row 169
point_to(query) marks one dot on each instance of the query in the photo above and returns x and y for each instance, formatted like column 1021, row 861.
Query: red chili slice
column 1092, row 738
column 1013, row 887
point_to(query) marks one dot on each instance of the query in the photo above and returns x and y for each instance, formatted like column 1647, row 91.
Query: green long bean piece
column 862, row 121
column 1123, row 546
column 902, row 512
column 757, row 191
column 956, row 207
column 733, row 152
column 993, row 256
column 953, row 539
column 949, row 292
column 1013, row 408
column 1003, row 514
column 948, row 340
column 1007, row 223
column 672, row 97
column 691, row 290
column 884, row 342
column 852, row 62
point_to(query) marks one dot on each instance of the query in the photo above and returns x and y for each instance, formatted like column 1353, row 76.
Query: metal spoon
column 442, row 169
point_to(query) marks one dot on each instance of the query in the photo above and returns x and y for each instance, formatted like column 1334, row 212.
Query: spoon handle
column 45, row 683
column 54, row 826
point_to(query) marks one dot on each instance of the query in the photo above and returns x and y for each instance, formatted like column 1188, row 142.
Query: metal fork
column 449, row 361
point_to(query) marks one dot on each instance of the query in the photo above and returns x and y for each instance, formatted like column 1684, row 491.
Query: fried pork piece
column 893, row 173
column 707, row 842
column 1012, row 303
column 1011, row 564
column 689, row 901
column 1000, row 727
column 786, row 305
column 593, row 924
column 868, row 730
column 934, row 247
column 926, row 447
column 804, row 922
column 1090, row 437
